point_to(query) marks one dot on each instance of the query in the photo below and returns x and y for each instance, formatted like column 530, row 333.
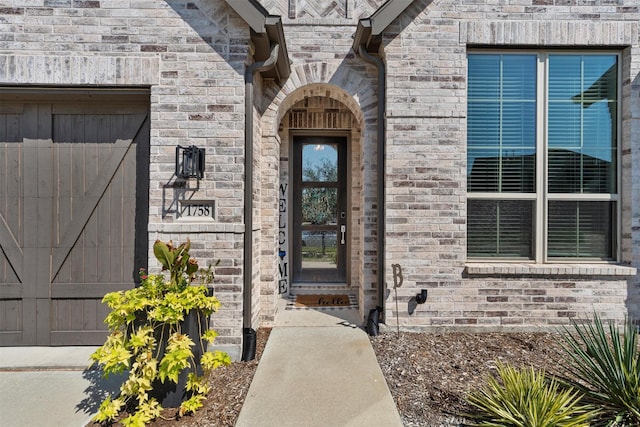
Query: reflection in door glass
column 319, row 249
column 319, row 163
column 319, row 205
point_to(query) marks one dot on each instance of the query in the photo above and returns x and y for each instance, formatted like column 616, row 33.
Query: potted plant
column 158, row 332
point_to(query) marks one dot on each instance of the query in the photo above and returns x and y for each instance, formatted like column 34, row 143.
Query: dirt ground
column 428, row 374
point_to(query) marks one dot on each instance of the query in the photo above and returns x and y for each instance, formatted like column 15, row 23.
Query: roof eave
column 251, row 12
column 364, row 36
column 369, row 30
column 275, row 32
column 266, row 30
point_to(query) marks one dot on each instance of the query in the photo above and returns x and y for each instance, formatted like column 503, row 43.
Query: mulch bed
column 428, row 374
column 230, row 385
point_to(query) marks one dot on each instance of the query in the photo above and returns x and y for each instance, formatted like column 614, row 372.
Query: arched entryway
column 320, row 241
column 310, row 106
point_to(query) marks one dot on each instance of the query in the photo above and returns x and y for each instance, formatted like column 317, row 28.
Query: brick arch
column 355, row 90
column 341, row 83
column 321, row 90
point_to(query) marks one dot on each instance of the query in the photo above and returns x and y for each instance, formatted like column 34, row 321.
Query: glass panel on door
column 319, row 209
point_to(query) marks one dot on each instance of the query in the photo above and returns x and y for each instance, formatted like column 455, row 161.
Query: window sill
column 524, row 269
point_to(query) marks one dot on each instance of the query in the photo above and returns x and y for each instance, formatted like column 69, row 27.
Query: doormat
column 322, row 300
column 328, row 302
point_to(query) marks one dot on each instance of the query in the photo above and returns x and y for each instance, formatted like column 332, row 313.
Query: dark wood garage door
column 73, row 210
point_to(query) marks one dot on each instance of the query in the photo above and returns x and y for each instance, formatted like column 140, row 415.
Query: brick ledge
column 477, row 268
column 195, row 227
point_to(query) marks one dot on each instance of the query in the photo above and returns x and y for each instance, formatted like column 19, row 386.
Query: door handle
column 343, row 230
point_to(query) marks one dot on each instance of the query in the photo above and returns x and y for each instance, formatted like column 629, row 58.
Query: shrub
column 526, row 398
column 149, row 339
column 605, row 368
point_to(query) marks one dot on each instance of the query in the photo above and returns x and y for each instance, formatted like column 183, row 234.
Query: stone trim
column 79, row 70
column 195, row 228
column 508, row 269
column 549, row 33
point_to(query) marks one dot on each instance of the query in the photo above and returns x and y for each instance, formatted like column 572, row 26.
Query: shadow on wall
column 210, row 20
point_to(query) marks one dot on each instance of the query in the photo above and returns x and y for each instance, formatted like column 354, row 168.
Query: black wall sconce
column 189, row 162
column 421, row 298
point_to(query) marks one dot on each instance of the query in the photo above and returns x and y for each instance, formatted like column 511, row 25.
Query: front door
column 320, row 214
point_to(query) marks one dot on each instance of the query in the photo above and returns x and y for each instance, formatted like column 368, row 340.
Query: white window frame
column 542, row 195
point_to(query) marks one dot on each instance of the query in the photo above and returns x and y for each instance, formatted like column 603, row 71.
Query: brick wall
column 425, row 53
column 426, row 145
column 191, row 55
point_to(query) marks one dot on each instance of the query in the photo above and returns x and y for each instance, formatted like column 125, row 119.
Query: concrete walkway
column 50, row 386
column 318, row 369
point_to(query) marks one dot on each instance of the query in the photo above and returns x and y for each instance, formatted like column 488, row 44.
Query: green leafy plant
column 526, row 398
column 147, row 339
column 604, row 366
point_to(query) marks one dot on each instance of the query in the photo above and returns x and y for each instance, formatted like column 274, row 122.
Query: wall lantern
column 189, row 162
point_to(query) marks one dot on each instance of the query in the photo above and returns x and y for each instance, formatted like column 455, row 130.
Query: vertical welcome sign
column 283, row 238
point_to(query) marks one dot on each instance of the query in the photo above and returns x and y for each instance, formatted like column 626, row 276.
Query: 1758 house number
column 203, row 209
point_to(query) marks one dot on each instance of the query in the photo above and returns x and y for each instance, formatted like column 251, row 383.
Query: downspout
column 382, row 101
column 249, row 334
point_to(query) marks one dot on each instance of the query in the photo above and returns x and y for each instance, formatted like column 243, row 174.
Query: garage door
column 73, row 210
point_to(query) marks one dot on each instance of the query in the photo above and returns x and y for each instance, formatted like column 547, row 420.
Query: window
column 542, row 153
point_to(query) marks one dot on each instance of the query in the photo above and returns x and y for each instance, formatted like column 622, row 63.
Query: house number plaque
column 197, row 209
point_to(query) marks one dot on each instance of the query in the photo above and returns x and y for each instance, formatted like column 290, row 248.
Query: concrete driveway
column 50, row 386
